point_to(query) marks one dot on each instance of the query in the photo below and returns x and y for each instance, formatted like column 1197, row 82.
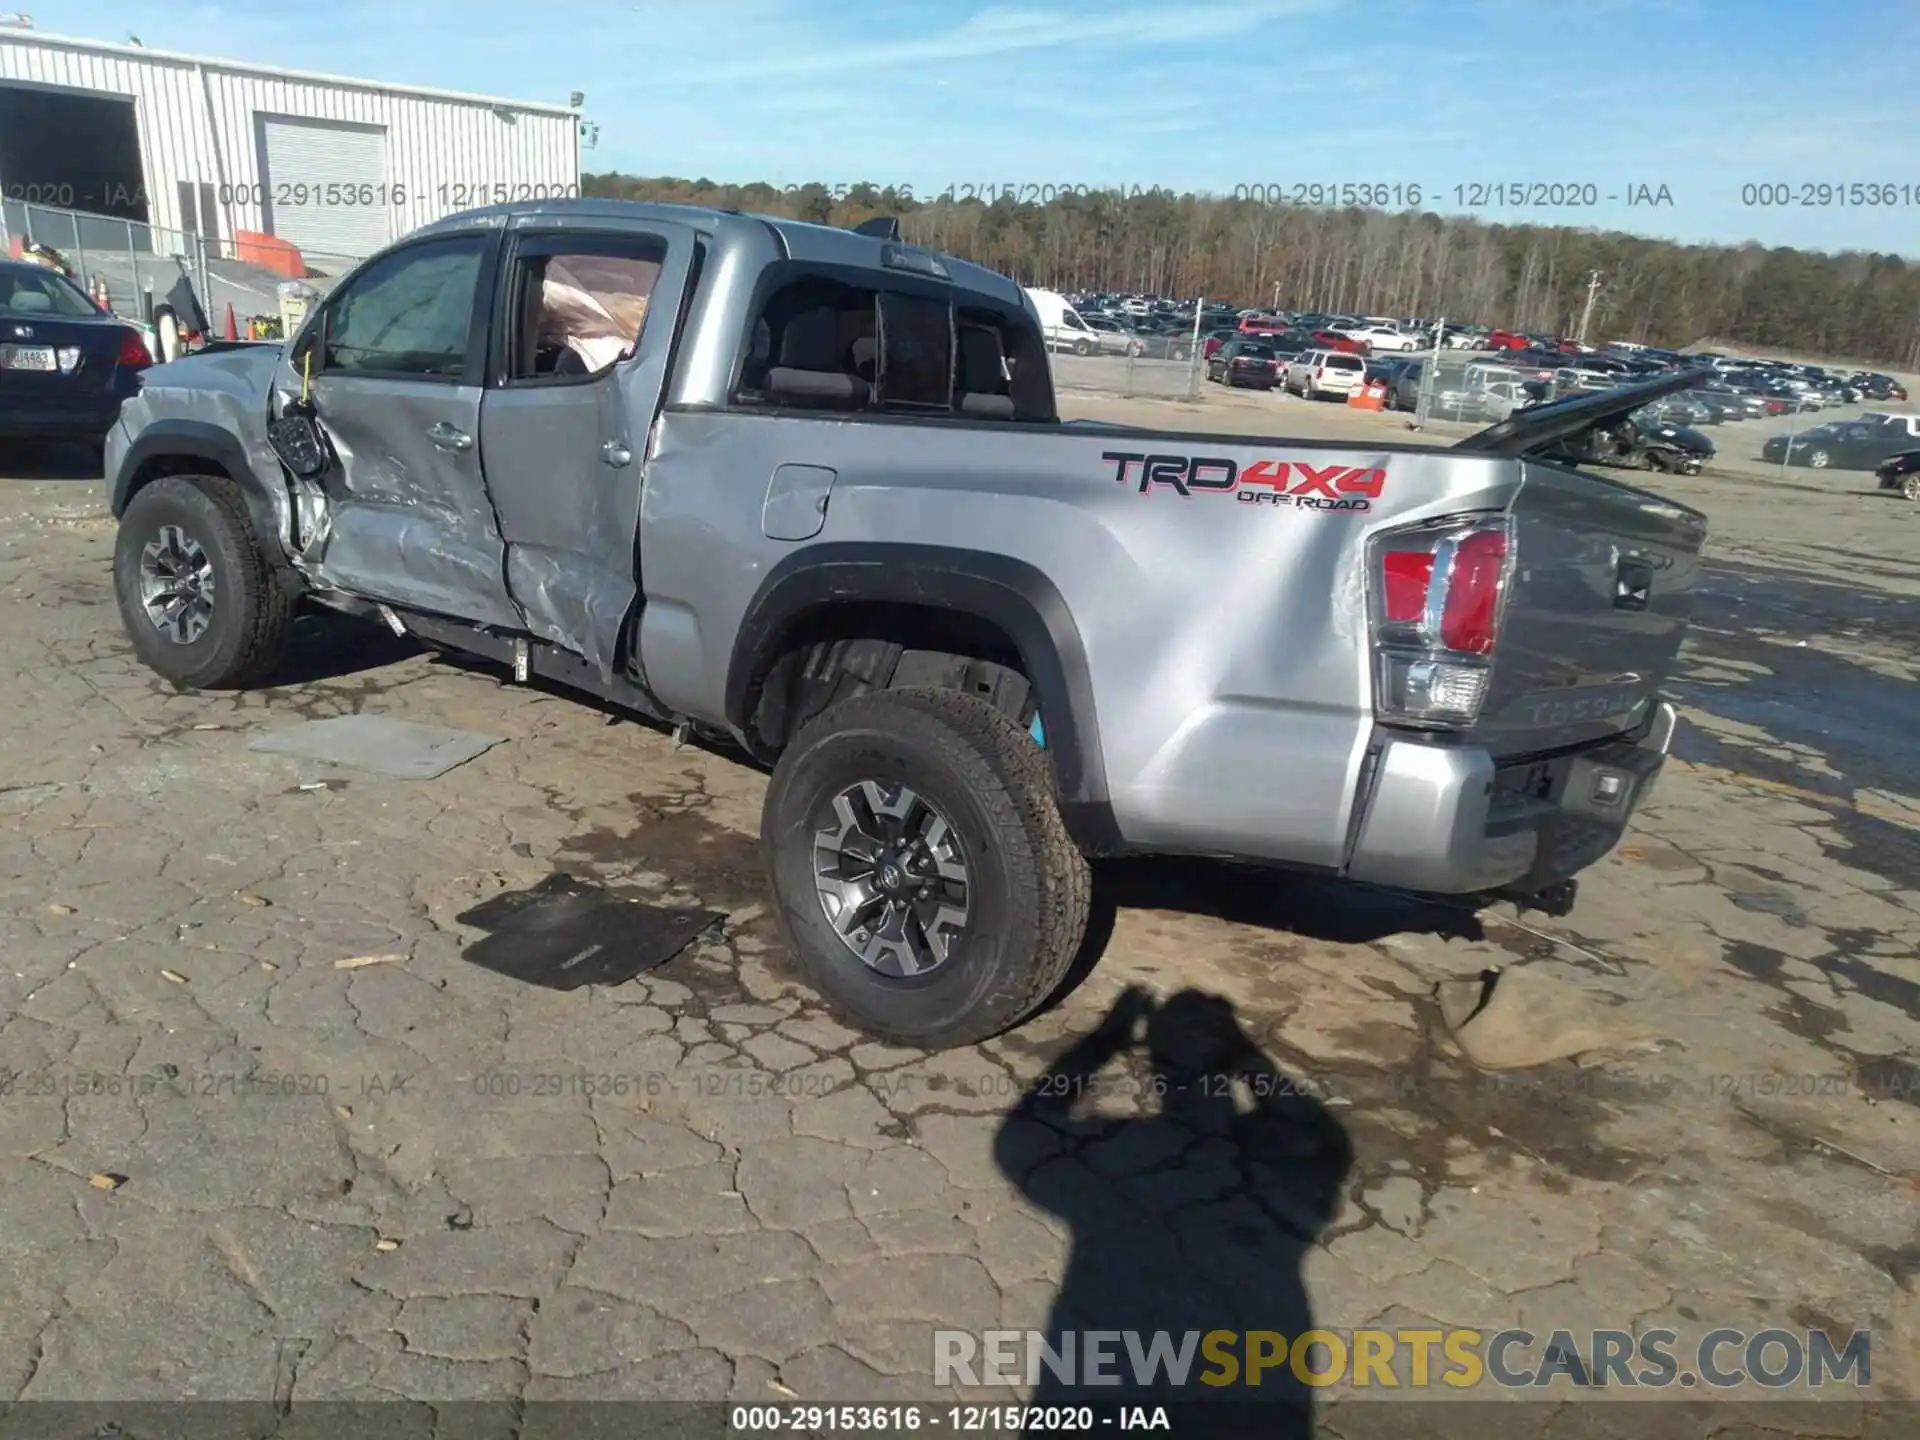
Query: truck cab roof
column 734, row 229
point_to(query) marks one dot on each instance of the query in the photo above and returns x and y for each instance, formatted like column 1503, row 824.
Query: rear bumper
column 84, row 417
column 1453, row 821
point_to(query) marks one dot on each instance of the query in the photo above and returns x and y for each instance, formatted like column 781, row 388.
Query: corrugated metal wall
column 444, row 153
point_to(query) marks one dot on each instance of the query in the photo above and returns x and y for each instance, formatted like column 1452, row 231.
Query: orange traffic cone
column 233, row 331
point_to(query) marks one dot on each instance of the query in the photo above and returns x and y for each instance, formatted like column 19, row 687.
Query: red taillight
column 1436, row 675
column 1405, row 575
column 1472, row 608
column 133, row 352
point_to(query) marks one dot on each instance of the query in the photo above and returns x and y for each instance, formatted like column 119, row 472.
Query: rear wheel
column 1083, row 347
column 197, row 595
column 1910, row 487
column 920, row 868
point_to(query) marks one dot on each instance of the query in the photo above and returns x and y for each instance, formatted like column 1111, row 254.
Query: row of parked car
column 1143, row 324
column 1319, row 356
column 1493, row 386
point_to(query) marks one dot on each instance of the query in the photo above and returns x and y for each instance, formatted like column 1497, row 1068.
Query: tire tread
column 265, row 605
column 1016, row 791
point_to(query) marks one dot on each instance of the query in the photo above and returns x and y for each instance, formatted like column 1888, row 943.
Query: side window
column 581, row 312
column 814, row 346
column 822, row 344
column 1001, row 367
column 409, row 313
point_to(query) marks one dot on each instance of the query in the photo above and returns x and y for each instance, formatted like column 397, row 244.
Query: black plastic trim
column 1005, row 592
column 203, row 441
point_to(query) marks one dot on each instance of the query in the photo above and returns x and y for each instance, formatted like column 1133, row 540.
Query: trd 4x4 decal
column 1291, row 483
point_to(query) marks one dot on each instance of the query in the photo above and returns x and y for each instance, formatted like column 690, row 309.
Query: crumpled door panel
column 412, row 521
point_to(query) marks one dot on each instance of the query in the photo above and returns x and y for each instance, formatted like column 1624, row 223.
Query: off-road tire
column 252, row 609
column 1028, row 889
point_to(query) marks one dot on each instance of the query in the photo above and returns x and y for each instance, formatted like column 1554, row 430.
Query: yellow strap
column 306, row 376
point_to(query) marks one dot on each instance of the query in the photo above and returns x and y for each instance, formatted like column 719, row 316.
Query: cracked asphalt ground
column 233, row 1167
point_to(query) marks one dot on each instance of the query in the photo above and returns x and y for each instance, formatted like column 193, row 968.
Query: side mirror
column 297, row 439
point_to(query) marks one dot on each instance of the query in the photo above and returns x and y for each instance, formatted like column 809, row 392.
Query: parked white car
column 1382, row 337
column 1316, row 374
column 1502, row 397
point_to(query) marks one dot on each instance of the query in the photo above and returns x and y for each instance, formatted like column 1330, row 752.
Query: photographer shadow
column 1190, row 1217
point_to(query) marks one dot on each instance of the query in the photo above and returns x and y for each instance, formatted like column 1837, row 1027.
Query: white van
column 1061, row 324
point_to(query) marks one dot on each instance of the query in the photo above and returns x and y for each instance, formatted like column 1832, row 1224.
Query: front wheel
column 197, row 595
column 1178, row 352
column 1819, row 459
column 1911, row 486
column 920, row 869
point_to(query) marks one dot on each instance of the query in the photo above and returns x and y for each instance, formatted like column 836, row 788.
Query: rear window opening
column 26, row 290
column 1342, row 362
column 820, row 343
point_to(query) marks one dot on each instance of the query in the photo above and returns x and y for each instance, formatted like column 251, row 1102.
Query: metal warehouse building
column 193, row 146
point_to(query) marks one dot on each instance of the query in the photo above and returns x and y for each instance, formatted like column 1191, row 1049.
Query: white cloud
column 998, row 31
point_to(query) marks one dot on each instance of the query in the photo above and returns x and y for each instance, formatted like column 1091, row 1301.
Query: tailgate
column 1597, row 604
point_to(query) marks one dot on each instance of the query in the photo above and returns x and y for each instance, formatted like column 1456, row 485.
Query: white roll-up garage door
column 300, row 159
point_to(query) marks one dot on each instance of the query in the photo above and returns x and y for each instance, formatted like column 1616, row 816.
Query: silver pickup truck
column 807, row 488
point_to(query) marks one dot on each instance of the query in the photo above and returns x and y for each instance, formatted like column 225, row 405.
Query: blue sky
column 1701, row 96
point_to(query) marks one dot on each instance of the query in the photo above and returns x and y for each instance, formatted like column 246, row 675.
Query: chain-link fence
column 1447, row 387
column 137, row 263
column 1165, row 363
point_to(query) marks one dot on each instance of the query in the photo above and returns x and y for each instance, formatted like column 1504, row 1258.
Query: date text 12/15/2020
column 296, row 194
column 1309, row 194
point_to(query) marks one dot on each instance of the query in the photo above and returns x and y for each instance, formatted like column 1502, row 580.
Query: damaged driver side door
column 393, row 365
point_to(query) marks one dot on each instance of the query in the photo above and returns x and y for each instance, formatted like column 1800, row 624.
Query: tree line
column 1862, row 307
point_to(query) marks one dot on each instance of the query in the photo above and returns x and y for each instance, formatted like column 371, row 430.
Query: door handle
column 449, row 437
column 616, row 454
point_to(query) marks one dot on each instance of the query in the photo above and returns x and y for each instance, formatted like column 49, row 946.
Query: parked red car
column 1262, row 325
column 1334, row 340
column 1506, row 340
